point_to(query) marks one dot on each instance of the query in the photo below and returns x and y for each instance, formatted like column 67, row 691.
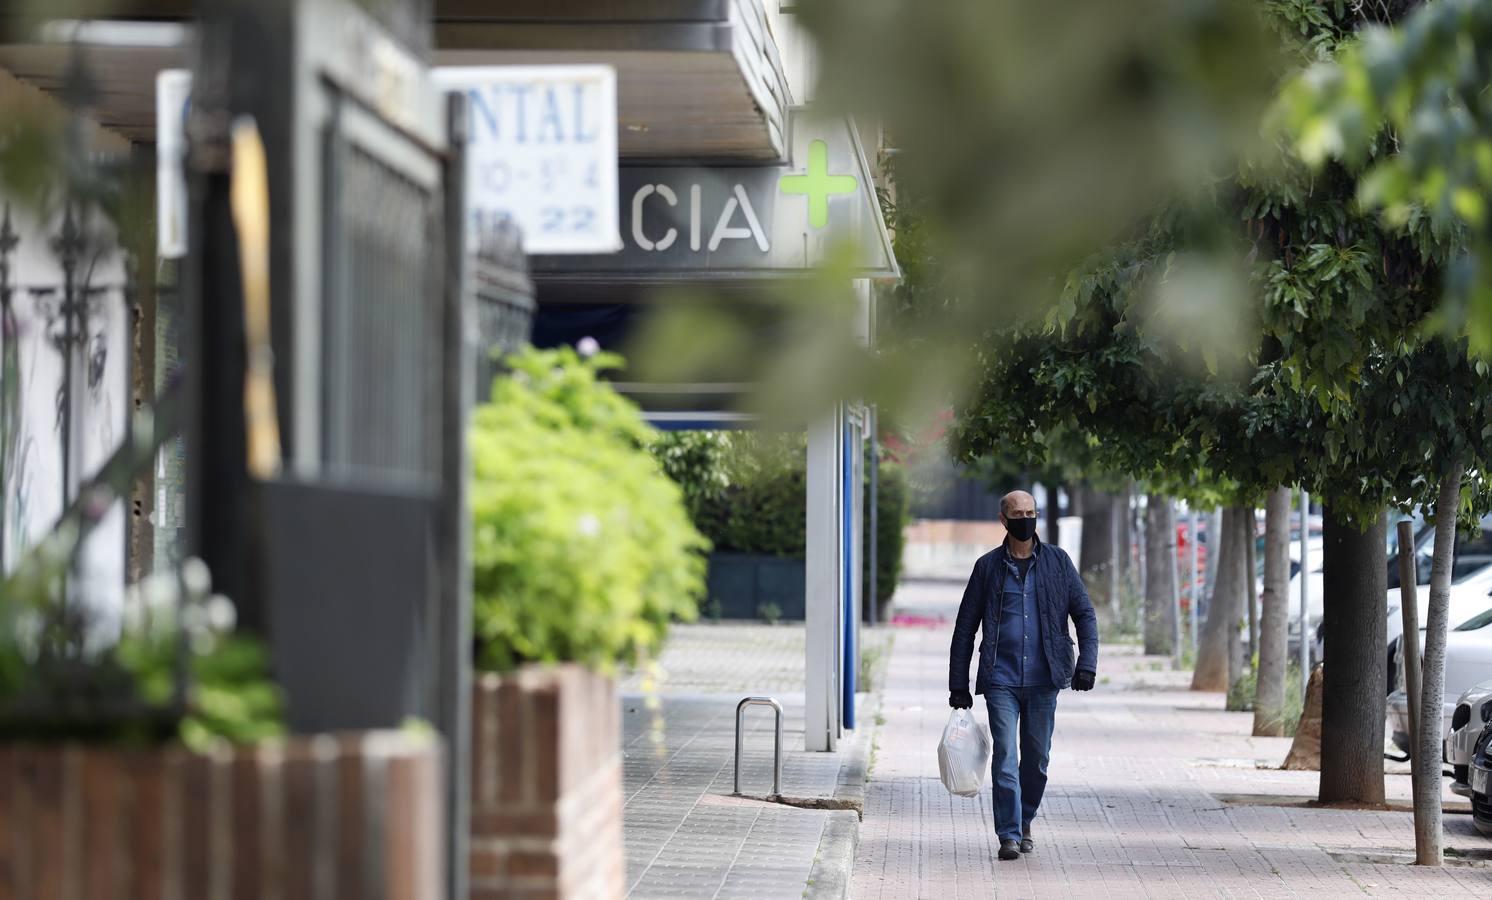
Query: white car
column 1468, row 661
column 1473, row 711
column 1315, row 549
column 1471, row 579
column 1316, row 588
column 1469, row 597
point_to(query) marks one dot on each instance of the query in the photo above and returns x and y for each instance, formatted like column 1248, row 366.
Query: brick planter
column 546, row 770
column 310, row 818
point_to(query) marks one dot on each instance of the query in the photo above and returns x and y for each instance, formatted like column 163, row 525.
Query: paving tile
column 1131, row 807
column 685, row 835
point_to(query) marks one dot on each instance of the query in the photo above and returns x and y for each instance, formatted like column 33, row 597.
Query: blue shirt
column 1020, row 660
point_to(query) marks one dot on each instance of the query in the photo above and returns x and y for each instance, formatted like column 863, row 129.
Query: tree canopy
column 1266, row 334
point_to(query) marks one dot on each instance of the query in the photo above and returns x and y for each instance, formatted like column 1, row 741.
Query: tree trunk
column 1427, row 753
column 1252, row 584
column 1214, row 543
column 1118, row 512
column 1305, row 750
column 1211, row 673
column 1098, row 543
column 1125, row 538
column 1269, row 699
column 1053, row 513
column 1138, row 566
column 1355, row 630
column 1160, row 576
column 1237, row 633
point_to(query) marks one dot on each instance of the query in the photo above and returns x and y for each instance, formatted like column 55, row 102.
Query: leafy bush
column 1243, row 693
column 59, row 681
column 747, row 493
column 582, row 549
column 891, row 521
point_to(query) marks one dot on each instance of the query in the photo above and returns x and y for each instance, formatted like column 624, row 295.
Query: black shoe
column 1027, row 845
column 1010, row 850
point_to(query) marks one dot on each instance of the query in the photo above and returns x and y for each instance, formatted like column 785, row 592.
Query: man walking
column 1022, row 593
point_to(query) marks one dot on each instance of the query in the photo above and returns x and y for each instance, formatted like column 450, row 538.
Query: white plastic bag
column 963, row 753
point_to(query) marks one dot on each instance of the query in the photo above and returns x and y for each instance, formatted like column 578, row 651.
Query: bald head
column 1018, row 514
column 1018, row 504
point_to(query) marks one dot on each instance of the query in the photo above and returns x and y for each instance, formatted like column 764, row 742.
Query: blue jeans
column 1030, row 713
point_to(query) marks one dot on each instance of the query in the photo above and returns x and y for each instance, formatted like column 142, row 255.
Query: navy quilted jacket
column 1060, row 596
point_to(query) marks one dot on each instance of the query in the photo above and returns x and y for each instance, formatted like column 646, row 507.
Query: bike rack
column 777, row 749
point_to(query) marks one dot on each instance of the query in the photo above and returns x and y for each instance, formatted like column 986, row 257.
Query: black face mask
column 1020, row 529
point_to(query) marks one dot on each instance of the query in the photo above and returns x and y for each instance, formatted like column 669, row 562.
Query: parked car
column 1470, row 597
column 1481, row 780
column 1468, row 661
column 1316, row 589
column 1472, row 713
column 1471, row 577
column 1315, row 550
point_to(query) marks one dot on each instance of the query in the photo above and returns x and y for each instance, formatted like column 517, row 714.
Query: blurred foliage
column 747, row 493
column 231, row 698
column 1324, row 343
column 176, row 670
column 1421, row 87
column 1032, row 135
column 51, row 148
column 1026, row 137
column 582, row 549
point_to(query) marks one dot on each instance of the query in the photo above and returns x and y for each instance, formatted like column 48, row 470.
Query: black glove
column 1082, row 681
column 960, row 699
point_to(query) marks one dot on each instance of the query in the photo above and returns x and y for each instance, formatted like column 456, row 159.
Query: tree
column 1100, row 547
column 1160, row 575
column 1426, row 771
column 1426, row 81
column 1352, row 693
column 1221, row 628
column 1269, row 697
column 1250, row 596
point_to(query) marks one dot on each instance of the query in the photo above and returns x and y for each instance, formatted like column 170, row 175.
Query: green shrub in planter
column 744, row 491
column 895, row 500
column 747, row 493
column 582, row 550
column 59, row 681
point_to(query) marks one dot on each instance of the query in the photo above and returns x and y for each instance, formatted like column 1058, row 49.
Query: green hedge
column 582, row 549
column 895, row 510
column 746, row 492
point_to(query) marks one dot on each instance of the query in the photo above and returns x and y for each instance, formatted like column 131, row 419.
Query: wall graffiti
column 63, row 387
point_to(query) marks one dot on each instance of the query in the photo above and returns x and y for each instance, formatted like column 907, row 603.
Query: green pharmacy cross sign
column 740, row 222
column 818, row 184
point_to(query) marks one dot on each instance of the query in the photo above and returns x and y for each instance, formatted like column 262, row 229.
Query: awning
column 696, row 79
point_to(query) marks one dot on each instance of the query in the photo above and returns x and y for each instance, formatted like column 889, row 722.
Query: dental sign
column 542, row 150
column 685, row 222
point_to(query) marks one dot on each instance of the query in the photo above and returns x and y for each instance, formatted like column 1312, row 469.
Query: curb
column 835, row 863
column 849, row 788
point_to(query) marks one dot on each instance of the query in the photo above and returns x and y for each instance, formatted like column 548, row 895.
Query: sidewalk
column 1154, row 791
column 686, row 836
